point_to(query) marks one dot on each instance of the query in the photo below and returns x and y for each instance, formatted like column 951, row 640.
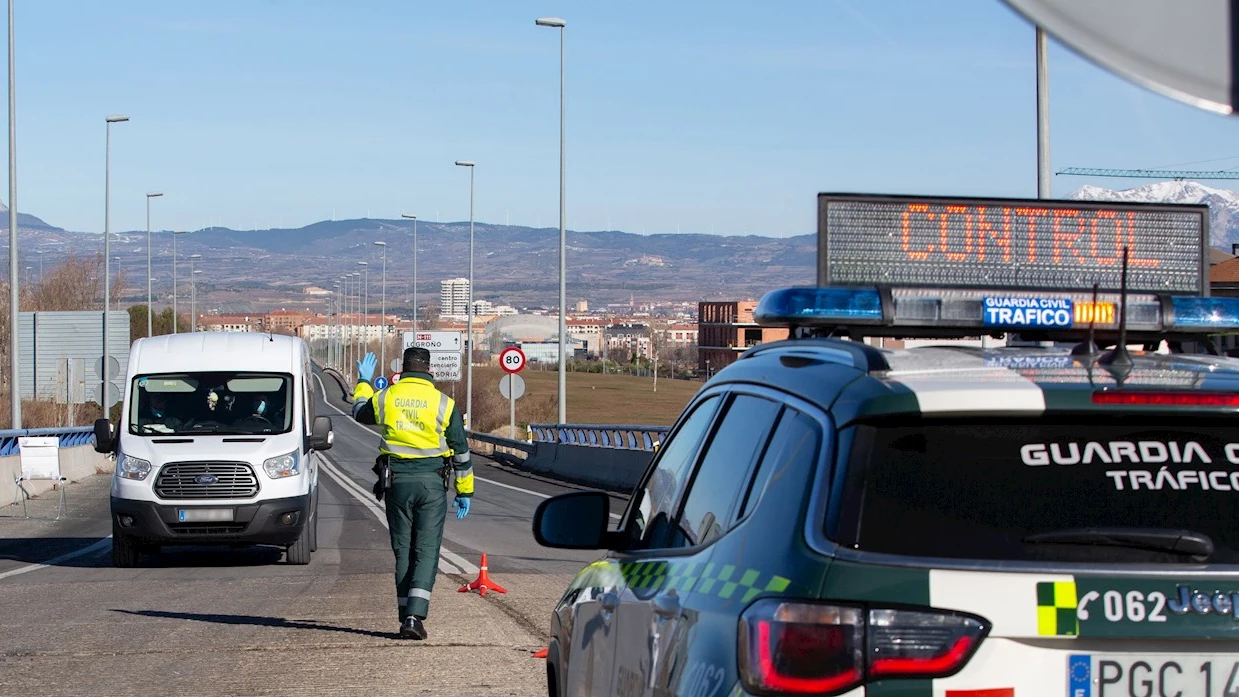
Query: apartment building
column 726, row 329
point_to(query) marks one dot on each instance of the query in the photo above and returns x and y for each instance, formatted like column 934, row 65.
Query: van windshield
column 1103, row 490
column 211, row 403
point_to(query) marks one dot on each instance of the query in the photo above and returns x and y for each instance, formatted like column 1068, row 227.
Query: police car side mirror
column 321, row 435
column 577, row 520
column 104, row 442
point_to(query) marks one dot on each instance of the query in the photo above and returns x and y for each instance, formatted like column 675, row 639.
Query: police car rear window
column 1031, row 490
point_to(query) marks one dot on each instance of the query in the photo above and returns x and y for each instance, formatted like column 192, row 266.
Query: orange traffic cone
column 541, row 653
column 483, row 582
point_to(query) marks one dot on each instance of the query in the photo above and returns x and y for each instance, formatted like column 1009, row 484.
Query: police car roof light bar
column 946, row 312
column 1119, row 357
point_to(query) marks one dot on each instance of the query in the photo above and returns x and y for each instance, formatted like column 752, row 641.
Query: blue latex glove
column 461, row 504
column 366, row 367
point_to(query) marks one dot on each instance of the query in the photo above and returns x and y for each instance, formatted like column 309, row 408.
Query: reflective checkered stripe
column 723, row 580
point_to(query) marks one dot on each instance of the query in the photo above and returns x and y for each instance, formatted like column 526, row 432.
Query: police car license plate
column 203, row 515
column 1188, row 675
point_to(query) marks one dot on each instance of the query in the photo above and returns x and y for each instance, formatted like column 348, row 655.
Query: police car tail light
column 807, row 648
column 1168, row 398
column 799, row 648
column 916, row 643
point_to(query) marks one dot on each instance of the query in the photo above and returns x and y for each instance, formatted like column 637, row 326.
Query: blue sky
column 724, row 117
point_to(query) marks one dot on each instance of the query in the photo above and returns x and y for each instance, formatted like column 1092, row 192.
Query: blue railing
column 622, row 437
column 70, row 436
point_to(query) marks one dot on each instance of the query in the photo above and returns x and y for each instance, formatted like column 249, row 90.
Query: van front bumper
column 271, row 522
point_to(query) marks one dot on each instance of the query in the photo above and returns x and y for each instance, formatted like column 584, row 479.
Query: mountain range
column 250, row 270
column 1223, row 204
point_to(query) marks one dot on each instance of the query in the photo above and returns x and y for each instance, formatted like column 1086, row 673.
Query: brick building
column 726, row 329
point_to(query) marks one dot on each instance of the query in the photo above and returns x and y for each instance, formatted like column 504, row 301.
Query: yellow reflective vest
column 415, row 419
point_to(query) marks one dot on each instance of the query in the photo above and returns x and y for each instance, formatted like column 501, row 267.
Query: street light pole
column 356, row 339
column 193, row 294
column 107, row 237
column 414, row 219
column 1043, row 115
column 383, row 312
column 365, row 306
column 175, row 314
column 150, row 323
column 15, row 399
column 193, row 289
column 560, row 24
column 469, row 309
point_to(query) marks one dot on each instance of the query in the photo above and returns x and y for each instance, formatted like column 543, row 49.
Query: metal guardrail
column 622, row 437
column 70, row 436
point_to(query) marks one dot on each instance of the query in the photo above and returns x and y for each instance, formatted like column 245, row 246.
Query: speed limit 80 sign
column 512, row 359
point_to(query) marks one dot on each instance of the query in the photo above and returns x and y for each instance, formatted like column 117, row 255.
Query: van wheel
column 299, row 551
column 124, row 551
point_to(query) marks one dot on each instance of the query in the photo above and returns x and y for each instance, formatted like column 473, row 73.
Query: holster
column 382, row 469
column 447, row 473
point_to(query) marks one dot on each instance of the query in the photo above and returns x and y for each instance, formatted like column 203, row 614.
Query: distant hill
column 512, row 264
column 24, row 220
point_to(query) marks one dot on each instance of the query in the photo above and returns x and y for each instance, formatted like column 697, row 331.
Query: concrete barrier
column 76, row 463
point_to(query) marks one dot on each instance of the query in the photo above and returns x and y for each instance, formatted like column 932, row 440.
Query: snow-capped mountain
column 1223, row 204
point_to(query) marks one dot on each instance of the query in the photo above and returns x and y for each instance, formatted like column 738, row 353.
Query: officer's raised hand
column 366, row 367
column 461, row 504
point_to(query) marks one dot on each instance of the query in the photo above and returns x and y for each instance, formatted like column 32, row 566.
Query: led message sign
column 1036, row 244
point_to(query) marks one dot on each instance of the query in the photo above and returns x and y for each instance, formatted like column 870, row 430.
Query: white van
column 216, row 445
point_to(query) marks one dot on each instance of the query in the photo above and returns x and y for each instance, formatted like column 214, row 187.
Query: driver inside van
column 157, row 412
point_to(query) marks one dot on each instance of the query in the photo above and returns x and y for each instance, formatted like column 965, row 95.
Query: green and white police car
column 834, row 516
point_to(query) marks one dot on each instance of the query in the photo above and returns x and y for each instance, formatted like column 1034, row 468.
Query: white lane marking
column 367, row 499
column 62, row 558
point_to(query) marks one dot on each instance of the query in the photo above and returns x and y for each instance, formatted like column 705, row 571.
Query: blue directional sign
column 380, row 382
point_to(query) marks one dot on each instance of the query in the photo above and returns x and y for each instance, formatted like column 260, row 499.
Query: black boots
column 412, row 628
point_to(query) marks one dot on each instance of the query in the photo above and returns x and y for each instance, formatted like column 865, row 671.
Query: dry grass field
column 593, row 398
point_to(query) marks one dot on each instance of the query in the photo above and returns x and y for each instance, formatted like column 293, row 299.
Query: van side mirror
column 577, row 520
column 104, row 441
column 321, row 435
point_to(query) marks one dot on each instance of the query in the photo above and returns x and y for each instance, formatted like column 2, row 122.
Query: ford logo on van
column 206, row 479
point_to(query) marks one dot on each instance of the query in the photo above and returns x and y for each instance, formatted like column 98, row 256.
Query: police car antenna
column 1120, row 357
column 1089, row 347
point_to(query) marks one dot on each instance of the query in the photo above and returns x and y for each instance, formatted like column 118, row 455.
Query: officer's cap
column 416, row 354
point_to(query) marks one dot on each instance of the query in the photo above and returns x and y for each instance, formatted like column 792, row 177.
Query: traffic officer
column 423, row 441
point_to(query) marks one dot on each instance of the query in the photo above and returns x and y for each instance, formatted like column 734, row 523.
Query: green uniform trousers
column 416, row 506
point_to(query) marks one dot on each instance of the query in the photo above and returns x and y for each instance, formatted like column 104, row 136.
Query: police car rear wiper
column 1186, row 542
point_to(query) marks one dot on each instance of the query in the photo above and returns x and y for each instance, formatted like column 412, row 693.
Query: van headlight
column 131, row 467
column 282, row 466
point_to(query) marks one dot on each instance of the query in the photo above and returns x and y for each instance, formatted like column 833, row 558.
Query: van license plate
column 1112, row 675
column 203, row 515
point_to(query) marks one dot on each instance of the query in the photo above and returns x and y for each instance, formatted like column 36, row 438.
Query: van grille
column 193, row 480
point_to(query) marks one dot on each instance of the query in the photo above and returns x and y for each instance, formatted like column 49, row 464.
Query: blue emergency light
column 975, row 311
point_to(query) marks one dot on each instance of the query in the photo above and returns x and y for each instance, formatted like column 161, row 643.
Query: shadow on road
column 257, row 621
column 41, row 550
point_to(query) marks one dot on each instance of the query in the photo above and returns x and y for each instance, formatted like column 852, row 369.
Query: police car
column 1052, row 510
